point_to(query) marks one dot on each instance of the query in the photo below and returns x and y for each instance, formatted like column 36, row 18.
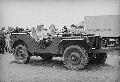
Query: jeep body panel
column 70, row 47
column 58, row 45
column 24, row 38
column 32, row 44
column 75, row 40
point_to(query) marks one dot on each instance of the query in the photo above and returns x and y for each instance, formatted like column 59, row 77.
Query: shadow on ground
column 58, row 64
column 51, row 63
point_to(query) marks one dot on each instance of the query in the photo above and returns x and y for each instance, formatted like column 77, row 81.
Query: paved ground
column 54, row 71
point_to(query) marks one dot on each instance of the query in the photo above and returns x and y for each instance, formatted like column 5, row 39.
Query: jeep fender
column 27, row 40
column 63, row 44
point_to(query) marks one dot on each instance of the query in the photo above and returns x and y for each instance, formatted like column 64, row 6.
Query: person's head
column 40, row 27
column 64, row 27
column 3, row 28
column 81, row 27
column 9, row 29
column 17, row 27
column 72, row 26
column 52, row 26
column 45, row 29
column 32, row 28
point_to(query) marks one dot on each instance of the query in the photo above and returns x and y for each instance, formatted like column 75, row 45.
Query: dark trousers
column 2, row 45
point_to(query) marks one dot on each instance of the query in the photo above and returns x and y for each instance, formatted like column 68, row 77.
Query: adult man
column 43, row 38
column 8, row 40
column 41, row 32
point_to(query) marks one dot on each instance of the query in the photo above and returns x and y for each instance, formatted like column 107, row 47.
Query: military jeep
column 76, row 50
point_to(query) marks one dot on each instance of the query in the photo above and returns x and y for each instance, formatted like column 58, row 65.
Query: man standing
column 8, row 40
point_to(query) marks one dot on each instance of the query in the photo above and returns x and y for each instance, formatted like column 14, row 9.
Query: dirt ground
column 38, row 70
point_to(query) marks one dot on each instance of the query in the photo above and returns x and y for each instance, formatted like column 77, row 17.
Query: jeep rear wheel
column 21, row 54
column 75, row 58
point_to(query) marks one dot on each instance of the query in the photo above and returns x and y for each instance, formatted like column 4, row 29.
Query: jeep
column 76, row 50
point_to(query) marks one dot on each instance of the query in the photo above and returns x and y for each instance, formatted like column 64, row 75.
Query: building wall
column 106, row 25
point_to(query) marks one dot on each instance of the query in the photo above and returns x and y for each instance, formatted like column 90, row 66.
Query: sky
column 28, row 13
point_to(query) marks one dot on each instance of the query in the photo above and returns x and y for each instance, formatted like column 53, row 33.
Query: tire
column 21, row 54
column 46, row 57
column 75, row 58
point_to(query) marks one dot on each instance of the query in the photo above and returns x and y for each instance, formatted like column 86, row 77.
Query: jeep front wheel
column 21, row 54
column 75, row 57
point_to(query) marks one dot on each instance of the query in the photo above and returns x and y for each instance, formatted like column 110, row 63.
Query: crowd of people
column 40, row 33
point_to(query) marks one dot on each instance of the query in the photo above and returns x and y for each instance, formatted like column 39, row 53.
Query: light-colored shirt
column 51, row 32
column 42, row 34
